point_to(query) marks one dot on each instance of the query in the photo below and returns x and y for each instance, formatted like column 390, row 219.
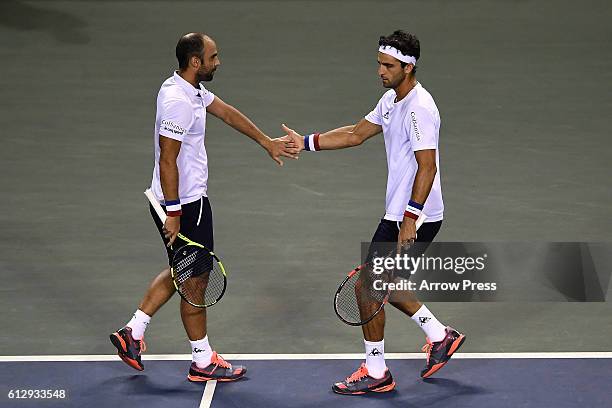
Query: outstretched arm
column 340, row 138
column 236, row 119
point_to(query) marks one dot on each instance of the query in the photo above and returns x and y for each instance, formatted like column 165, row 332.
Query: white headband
column 395, row 53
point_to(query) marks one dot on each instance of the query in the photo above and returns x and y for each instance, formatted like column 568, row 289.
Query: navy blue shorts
column 387, row 233
column 196, row 224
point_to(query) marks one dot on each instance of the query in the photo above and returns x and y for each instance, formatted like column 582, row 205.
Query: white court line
column 341, row 356
column 306, row 189
column 207, row 396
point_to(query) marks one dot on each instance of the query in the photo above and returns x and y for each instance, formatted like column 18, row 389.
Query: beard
column 206, row 76
column 392, row 84
column 394, row 81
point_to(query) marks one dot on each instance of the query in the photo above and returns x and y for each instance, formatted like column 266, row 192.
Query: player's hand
column 171, row 229
column 407, row 234
column 293, row 137
column 280, row 147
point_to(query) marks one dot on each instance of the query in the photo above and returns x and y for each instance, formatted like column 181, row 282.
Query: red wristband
column 316, row 141
column 410, row 215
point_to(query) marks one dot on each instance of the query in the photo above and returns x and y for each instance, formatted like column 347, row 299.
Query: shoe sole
column 198, row 378
column 385, row 388
column 121, row 349
column 456, row 344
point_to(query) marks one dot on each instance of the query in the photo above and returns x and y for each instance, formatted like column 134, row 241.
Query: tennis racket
column 197, row 273
column 358, row 299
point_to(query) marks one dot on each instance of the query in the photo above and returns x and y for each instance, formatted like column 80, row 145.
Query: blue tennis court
column 470, row 380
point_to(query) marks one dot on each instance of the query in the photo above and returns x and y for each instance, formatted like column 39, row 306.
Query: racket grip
column 156, row 205
column 420, row 221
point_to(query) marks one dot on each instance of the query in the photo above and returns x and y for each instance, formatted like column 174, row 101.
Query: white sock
column 201, row 352
column 138, row 324
column 375, row 358
column 433, row 329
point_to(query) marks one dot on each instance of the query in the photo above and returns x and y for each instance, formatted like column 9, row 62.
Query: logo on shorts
column 424, row 320
column 415, row 126
column 374, row 352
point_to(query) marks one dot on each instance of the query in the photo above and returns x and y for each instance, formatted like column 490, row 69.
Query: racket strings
column 198, row 275
column 359, row 298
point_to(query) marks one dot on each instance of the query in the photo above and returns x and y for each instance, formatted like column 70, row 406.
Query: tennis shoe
column 438, row 353
column 218, row 369
column 127, row 348
column 360, row 382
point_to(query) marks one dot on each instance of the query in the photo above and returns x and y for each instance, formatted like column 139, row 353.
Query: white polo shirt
column 409, row 125
column 181, row 115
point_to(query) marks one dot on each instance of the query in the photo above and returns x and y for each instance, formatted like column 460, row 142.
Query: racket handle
column 420, row 221
column 156, row 205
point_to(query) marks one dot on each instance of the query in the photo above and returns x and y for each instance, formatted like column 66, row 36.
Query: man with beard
column 410, row 122
column 179, row 183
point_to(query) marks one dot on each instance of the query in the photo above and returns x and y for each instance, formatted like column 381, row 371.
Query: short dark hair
column 189, row 45
column 407, row 43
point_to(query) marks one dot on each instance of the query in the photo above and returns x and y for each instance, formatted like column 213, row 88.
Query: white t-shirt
column 409, row 125
column 181, row 115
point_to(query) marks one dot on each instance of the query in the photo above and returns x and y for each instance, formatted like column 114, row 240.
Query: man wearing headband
column 409, row 120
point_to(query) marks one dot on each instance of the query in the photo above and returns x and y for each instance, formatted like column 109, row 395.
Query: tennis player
column 409, row 120
column 179, row 182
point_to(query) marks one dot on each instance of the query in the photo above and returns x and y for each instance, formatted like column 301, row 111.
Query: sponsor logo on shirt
column 386, row 115
column 172, row 127
column 415, row 126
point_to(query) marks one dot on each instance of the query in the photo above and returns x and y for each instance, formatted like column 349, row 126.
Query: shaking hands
column 290, row 145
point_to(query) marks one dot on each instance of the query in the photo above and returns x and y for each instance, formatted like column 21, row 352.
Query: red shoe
column 440, row 352
column 360, row 382
column 129, row 349
column 218, row 369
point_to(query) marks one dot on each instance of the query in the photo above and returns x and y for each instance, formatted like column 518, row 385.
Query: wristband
column 173, row 208
column 311, row 142
column 413, row 210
